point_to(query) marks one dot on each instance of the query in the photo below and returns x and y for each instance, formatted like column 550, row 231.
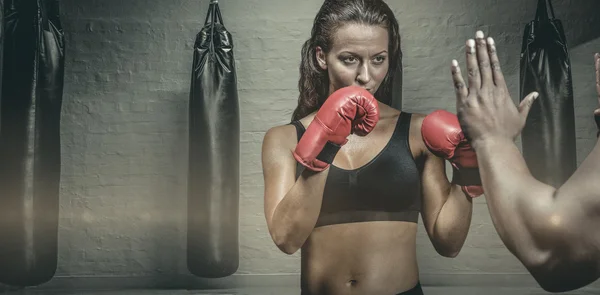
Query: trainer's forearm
column 296, row 215
column 551, row 231
column 520, row 206
column 583, row 187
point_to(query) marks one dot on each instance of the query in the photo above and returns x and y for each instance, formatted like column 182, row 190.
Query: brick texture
column 124, row 127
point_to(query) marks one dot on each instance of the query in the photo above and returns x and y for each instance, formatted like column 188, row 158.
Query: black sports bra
column 387, row 188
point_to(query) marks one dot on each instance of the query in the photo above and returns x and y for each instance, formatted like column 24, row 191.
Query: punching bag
column 214, row 153
column 548, row 138
column 30, row 159
column 1, row 55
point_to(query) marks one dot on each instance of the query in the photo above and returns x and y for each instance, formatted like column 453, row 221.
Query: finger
column 597, row 64
column 459, row 83
column 483, row 59
column 495, row 63
column 526, row 103
column 472, row 67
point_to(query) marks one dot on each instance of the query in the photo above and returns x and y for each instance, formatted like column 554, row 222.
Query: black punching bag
column 214, row 148
column 548, row 138
column 32, row 86
column 1, row 56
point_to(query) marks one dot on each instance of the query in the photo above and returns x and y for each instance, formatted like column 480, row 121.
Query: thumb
column 526, row 104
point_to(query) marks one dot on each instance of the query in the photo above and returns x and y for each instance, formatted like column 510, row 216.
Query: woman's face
column 358, row 56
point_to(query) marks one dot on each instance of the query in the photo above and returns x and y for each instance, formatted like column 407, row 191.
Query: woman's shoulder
column 280, row 131
column 416, row 122
column 280, row 136
column 417, row 119
column 289, row 129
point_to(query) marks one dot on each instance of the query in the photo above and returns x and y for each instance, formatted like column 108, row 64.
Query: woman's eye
column 380, row 59
column 350, row 59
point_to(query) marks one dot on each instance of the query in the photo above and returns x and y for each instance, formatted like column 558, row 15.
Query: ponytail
column 313, row 83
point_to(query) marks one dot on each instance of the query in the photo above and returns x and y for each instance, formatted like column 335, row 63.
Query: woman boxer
column 553, row 232
column 346, row 180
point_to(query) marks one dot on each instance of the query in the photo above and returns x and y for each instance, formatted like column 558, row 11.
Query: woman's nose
column 363, row 76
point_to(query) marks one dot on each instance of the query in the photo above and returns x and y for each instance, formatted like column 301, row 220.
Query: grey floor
column 295, row 291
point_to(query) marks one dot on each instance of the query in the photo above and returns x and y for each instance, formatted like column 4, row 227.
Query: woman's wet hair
column 314, row 81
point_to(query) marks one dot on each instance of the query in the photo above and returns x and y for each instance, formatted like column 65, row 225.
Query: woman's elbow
column 284, row 243
column 448, row 251
column 287, row 248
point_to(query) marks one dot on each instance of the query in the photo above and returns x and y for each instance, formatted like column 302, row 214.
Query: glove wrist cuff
column 328, row 152
column 466, row 176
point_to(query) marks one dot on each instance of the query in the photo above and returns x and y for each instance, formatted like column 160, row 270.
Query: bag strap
column 541, row 13
column 214, row 14
column 217, row 12
column 42, row 14
column 213, row 17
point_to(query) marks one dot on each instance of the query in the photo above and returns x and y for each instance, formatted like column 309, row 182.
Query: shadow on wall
column 580, row 18
column 584, row 22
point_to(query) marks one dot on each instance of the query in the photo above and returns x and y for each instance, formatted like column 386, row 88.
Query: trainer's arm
column 291, row 206
column 553, row 232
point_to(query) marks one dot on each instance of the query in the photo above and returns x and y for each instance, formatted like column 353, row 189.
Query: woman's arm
column 291, row 206
column 446, row 209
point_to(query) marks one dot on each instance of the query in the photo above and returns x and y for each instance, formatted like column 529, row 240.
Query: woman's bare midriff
column 360, row 258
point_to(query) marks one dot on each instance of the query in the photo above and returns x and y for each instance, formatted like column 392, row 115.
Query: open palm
column 485, row 108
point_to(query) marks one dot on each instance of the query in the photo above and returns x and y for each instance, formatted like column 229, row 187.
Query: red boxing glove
column 444, row 138
column 348, row 110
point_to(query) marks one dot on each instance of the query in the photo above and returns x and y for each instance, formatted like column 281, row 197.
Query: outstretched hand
column 485, row 108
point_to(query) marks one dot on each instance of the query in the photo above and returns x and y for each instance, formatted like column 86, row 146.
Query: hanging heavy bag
column 30, row 156
column 1, row 54
column 548, row 138
column 214, row 148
